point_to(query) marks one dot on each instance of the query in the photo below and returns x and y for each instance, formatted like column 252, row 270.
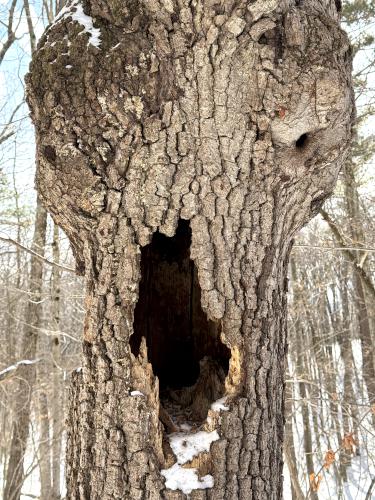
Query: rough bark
column 234, row 116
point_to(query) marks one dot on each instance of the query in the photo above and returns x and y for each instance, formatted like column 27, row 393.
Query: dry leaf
column 329, row 459
column 315, row 481
column 349, row 442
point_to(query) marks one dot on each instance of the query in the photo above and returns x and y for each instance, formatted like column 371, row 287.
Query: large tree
column 180, row 145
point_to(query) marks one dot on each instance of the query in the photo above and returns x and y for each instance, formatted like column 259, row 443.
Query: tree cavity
column 183, row 346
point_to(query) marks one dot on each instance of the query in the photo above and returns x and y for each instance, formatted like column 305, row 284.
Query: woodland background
column 330, row 426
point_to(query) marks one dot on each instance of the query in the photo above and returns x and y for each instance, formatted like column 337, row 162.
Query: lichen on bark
column 235, row 116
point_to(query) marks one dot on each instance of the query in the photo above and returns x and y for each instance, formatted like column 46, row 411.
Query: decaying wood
column 233, row 115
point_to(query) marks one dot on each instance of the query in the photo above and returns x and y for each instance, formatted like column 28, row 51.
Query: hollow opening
column 301, row 141
column 183, row 346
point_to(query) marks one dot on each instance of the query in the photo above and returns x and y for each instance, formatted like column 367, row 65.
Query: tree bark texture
column 234, row 116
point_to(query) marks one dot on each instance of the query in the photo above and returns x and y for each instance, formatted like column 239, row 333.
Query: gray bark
column 236, row 117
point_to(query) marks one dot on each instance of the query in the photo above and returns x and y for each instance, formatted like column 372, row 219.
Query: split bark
column 235, row 116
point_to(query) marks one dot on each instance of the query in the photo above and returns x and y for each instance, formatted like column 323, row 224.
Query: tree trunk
column 289, row 451
column 358, row 237
column 44, row 442
column 21, row 423
column 57, row 371
column 180, row 146
column 302, row 372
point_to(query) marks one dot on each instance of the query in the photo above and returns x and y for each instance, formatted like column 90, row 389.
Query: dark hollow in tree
column 169, row 316
column 302, row 141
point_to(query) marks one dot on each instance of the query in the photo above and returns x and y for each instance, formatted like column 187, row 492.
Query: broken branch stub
column 180, row 146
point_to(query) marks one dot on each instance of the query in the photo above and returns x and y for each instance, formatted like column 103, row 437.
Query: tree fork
column 181, row 145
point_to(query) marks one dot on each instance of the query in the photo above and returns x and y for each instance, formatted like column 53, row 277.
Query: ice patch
column 219, row 405
column 136, row 393
column 186, row 480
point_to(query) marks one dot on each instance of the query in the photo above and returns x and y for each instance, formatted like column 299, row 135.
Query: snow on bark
column 185, row 447
column 74, row 10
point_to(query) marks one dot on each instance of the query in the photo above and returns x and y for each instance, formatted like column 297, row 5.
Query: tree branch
column 11, row 34
column 11, row 370
column 348, row 253
column 35, row 254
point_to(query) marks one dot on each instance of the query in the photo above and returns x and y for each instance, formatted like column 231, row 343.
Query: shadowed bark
column 234, row 116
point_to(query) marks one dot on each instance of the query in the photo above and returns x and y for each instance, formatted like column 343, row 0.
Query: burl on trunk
column 181, row 144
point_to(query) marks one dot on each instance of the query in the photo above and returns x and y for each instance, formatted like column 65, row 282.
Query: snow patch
column 185, row 427
column 136, row 393
column 185, row 447
column 186, row 480
column 219, row 405
column 86, row 22
column 83, row 19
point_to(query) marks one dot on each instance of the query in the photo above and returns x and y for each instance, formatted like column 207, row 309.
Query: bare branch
column 11, row 34
column 348, row 253
column 30, row 26
column 11, row 370
column 35, row 254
